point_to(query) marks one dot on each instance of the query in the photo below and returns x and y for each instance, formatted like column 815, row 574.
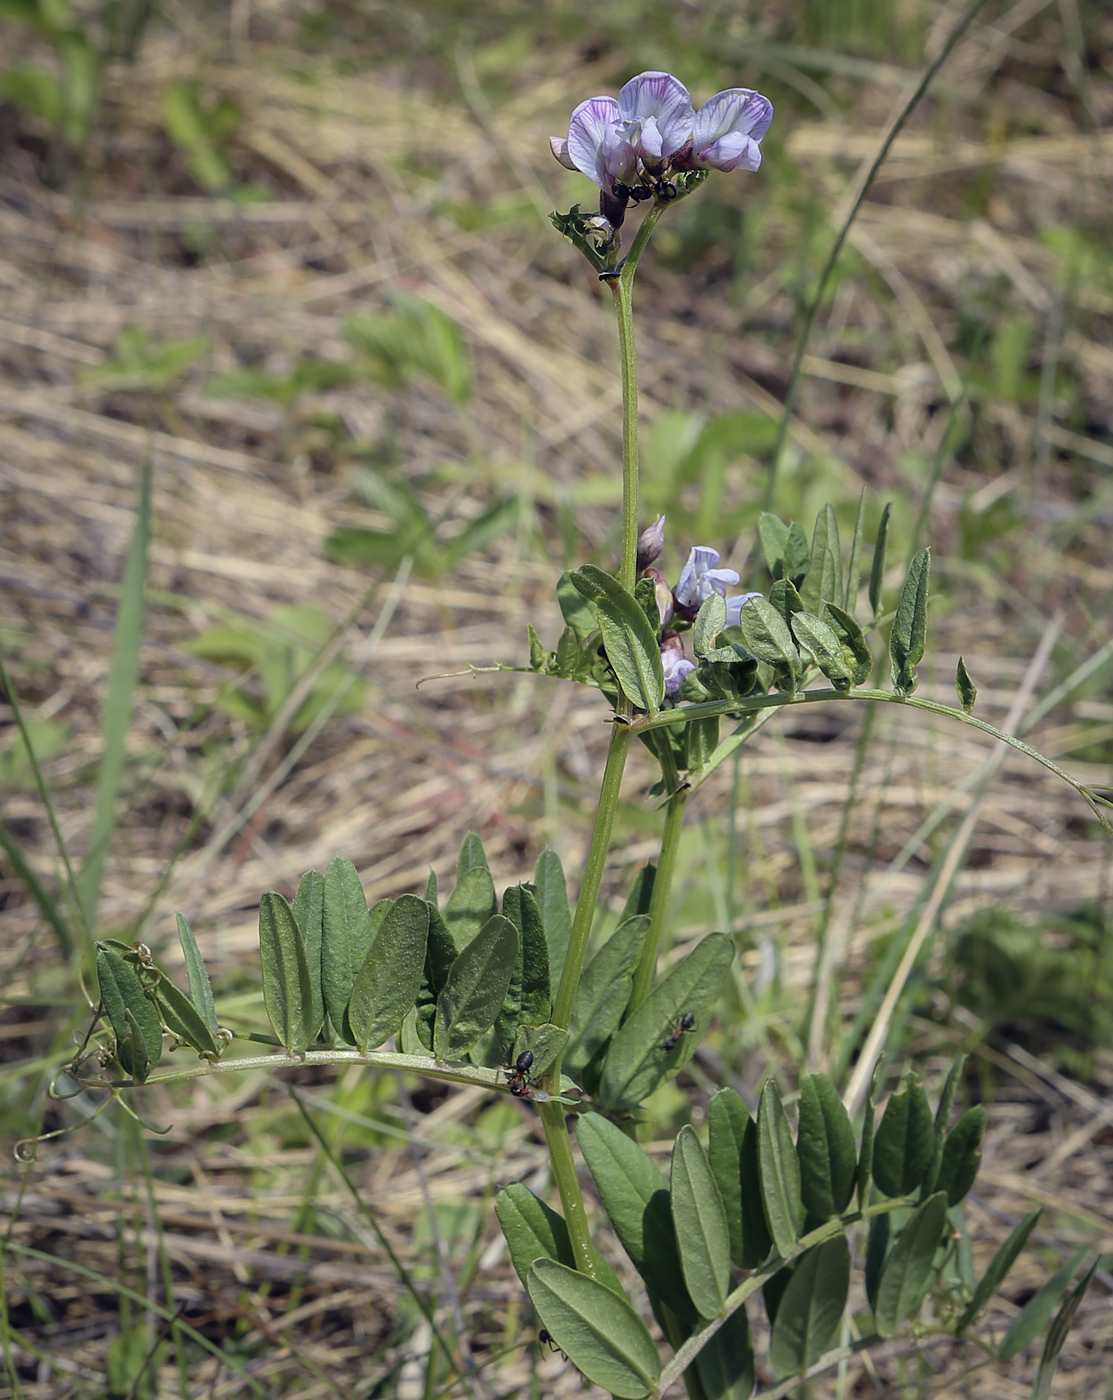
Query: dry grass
column 239, row 528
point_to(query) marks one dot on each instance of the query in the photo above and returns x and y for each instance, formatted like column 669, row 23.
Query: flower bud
column 651, row 541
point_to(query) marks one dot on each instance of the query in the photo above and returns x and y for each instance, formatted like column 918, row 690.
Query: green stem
column 662, row 888
column 622, row 288
column 568, row 1186
column 621, row 735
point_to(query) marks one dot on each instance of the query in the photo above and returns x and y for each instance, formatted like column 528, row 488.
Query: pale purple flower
column 655, row 116
column 728, row 128
column 676, row 665
column 701, row 577
column 595, row 146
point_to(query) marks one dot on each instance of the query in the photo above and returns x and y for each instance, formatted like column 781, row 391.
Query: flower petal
column 656, row 115
column 595, row 145
column 728, row 129
column 559, row 147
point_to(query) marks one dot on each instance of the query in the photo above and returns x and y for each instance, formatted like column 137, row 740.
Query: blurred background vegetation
column 289, row 350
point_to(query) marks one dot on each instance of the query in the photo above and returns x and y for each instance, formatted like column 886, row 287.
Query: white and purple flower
column 728, row 128
column 653, row 130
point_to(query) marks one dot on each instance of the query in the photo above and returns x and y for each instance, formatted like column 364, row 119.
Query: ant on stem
column 520, row 1079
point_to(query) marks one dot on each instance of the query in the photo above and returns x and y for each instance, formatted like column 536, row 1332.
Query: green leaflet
column 534, row 1230
column 346, row 935
column 472, row 855
column 628, row 639
column 131, row 1014
column 765, row 635
column 855, row 647
column 1057, row 1335
column 182, row 1019
column 470, row 905
column 556, row 915
column 711, row 620
column 865, row 1152
column 810, row 1309
column 440, row 954
column 962, row 1155
column 475, row 989
column 575, row 609
column 388, row 983
column 200, row 988
column 287, row 991
column 823, row 581
column 701, row 1225
column 309, row 911
column 1034, row 1315
column 905, row 1139
column 772, row 533
column 967, row 690
column 599, row 1331
column 907, row 1274
column 725, row 1366
column 826, row 647
column 1000, row 1265
column 637, row 1061
column 877, row 569
column 854, row 568
column 636, row 1199
column 521, row 908
column 943, row 1110
column 826, row 1149
column 909, row 632
column 877, row 1250
column 779, row 1171
column 603, row 992
column 732, row 1155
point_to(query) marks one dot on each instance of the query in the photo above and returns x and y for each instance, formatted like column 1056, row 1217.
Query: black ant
column 521, row 1081
column 545, row 1338
column 682, row 1027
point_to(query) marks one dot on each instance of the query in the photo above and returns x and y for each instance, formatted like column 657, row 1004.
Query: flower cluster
column 631, row 147
column 699, row 578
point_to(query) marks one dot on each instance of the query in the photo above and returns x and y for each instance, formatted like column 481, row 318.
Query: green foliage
column 277, row 656
column 416, row 338
column 136, row 363
column 1039, row 978
column 413, row 532
column 202, row 129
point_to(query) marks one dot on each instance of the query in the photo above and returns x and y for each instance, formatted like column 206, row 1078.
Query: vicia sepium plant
column 500, row 992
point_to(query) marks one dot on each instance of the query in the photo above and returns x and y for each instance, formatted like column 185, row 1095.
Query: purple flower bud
column 651, row 541
column 728, row 128
column 701, row 577
column 655, row 116
column 676, row 665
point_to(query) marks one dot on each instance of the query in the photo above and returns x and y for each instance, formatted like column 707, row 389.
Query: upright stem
column 659, row 899
column 622, row 288
column 568, row 1187
column 628, row 362
column 593, row 877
